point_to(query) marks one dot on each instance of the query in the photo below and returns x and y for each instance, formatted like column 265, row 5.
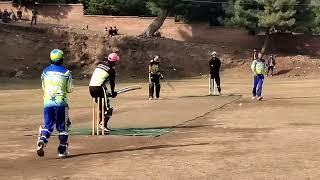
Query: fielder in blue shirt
column 56, row 84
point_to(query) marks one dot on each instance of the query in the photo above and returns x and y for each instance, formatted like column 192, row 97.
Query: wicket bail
column 98, row 116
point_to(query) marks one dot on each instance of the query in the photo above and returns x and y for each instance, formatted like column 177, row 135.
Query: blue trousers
column 257, row 85
column 56, row 116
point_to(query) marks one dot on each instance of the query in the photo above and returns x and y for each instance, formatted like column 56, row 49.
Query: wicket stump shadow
column 137, row 149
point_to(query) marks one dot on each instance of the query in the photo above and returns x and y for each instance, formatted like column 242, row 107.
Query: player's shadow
column 285, row 71
column 137, row 149
column 298, row 97
column 304, row 124
column 184, row 127
column 201, row 96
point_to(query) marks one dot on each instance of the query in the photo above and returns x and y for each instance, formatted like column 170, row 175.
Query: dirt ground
column 227, row 137
column 178, row 59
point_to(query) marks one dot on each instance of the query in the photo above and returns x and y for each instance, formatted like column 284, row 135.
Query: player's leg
column 151, row 86
column 158, row 86
column 107, row 114
column 211, row 84
column 259, row 87
column 63, row 129
column 217, row 79
column 254, row 89
column 45, row 130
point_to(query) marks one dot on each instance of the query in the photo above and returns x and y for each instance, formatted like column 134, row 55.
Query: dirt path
column 277, row 138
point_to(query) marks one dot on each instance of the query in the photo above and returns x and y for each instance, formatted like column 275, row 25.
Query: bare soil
column 220, row 137
column 24, row 53
column 227, row 137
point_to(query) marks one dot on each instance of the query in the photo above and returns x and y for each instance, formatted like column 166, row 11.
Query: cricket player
column 154, row 78
column 258, row 68
column 271, row 62
column 104, row 75
column 214, row 65
column 254, row 54
column 56, row 84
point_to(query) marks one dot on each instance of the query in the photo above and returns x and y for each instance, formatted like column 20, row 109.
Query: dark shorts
column 155, row 78
column 96, row 91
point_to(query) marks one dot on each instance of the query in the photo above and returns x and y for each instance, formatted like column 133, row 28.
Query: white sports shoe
column 64, row 155
column 40, row 148
column 253, row 98
column 150, row 98
column 106, row 130
column 260, row 98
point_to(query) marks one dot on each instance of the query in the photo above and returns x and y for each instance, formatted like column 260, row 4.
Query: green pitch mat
column 125, row 131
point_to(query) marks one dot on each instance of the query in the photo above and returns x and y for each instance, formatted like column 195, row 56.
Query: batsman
column 104, row 75
column 154, row 78
column 215, row 65
column 56, row 83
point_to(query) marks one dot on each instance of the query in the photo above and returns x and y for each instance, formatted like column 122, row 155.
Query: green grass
column 125, row 131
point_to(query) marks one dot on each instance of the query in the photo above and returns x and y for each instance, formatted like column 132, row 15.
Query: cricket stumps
column 98, row 116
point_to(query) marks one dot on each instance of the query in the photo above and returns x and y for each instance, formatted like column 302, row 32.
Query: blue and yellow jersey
column 258, row 66
column 56, row 83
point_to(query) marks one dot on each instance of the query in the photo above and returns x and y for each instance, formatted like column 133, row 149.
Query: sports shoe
column 40, row 148
column 150, row 98
column 64, row 155
column 106, row 129
column 219, row 93
column 159, row 98
column 63, row 151
column 253, row 98
column 260, row 98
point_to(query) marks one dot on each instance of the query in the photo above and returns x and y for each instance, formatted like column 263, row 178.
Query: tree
column 162, row 8
column 115, row 7
column 270, row 16
column 315, row 9
column 304, row 17
column 190, row 10
column 32, row 2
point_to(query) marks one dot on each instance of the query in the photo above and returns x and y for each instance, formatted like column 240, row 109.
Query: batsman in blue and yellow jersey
column 56, row 84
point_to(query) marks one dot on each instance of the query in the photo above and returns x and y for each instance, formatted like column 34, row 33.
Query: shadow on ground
column 285, row 71
column 298, row 97
column 137, row 149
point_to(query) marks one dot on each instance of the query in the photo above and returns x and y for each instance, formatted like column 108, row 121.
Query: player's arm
column 112, row 84
column 253, row 67
column 70, row 84
column 112, row 81
column 150, row 68
column 210, row 65
column 42, row 79
column 274, row 61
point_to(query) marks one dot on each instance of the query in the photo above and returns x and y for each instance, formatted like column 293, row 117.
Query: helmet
column 56, row 55
column 156, row 58
column 214, row 53
column 113, row 57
